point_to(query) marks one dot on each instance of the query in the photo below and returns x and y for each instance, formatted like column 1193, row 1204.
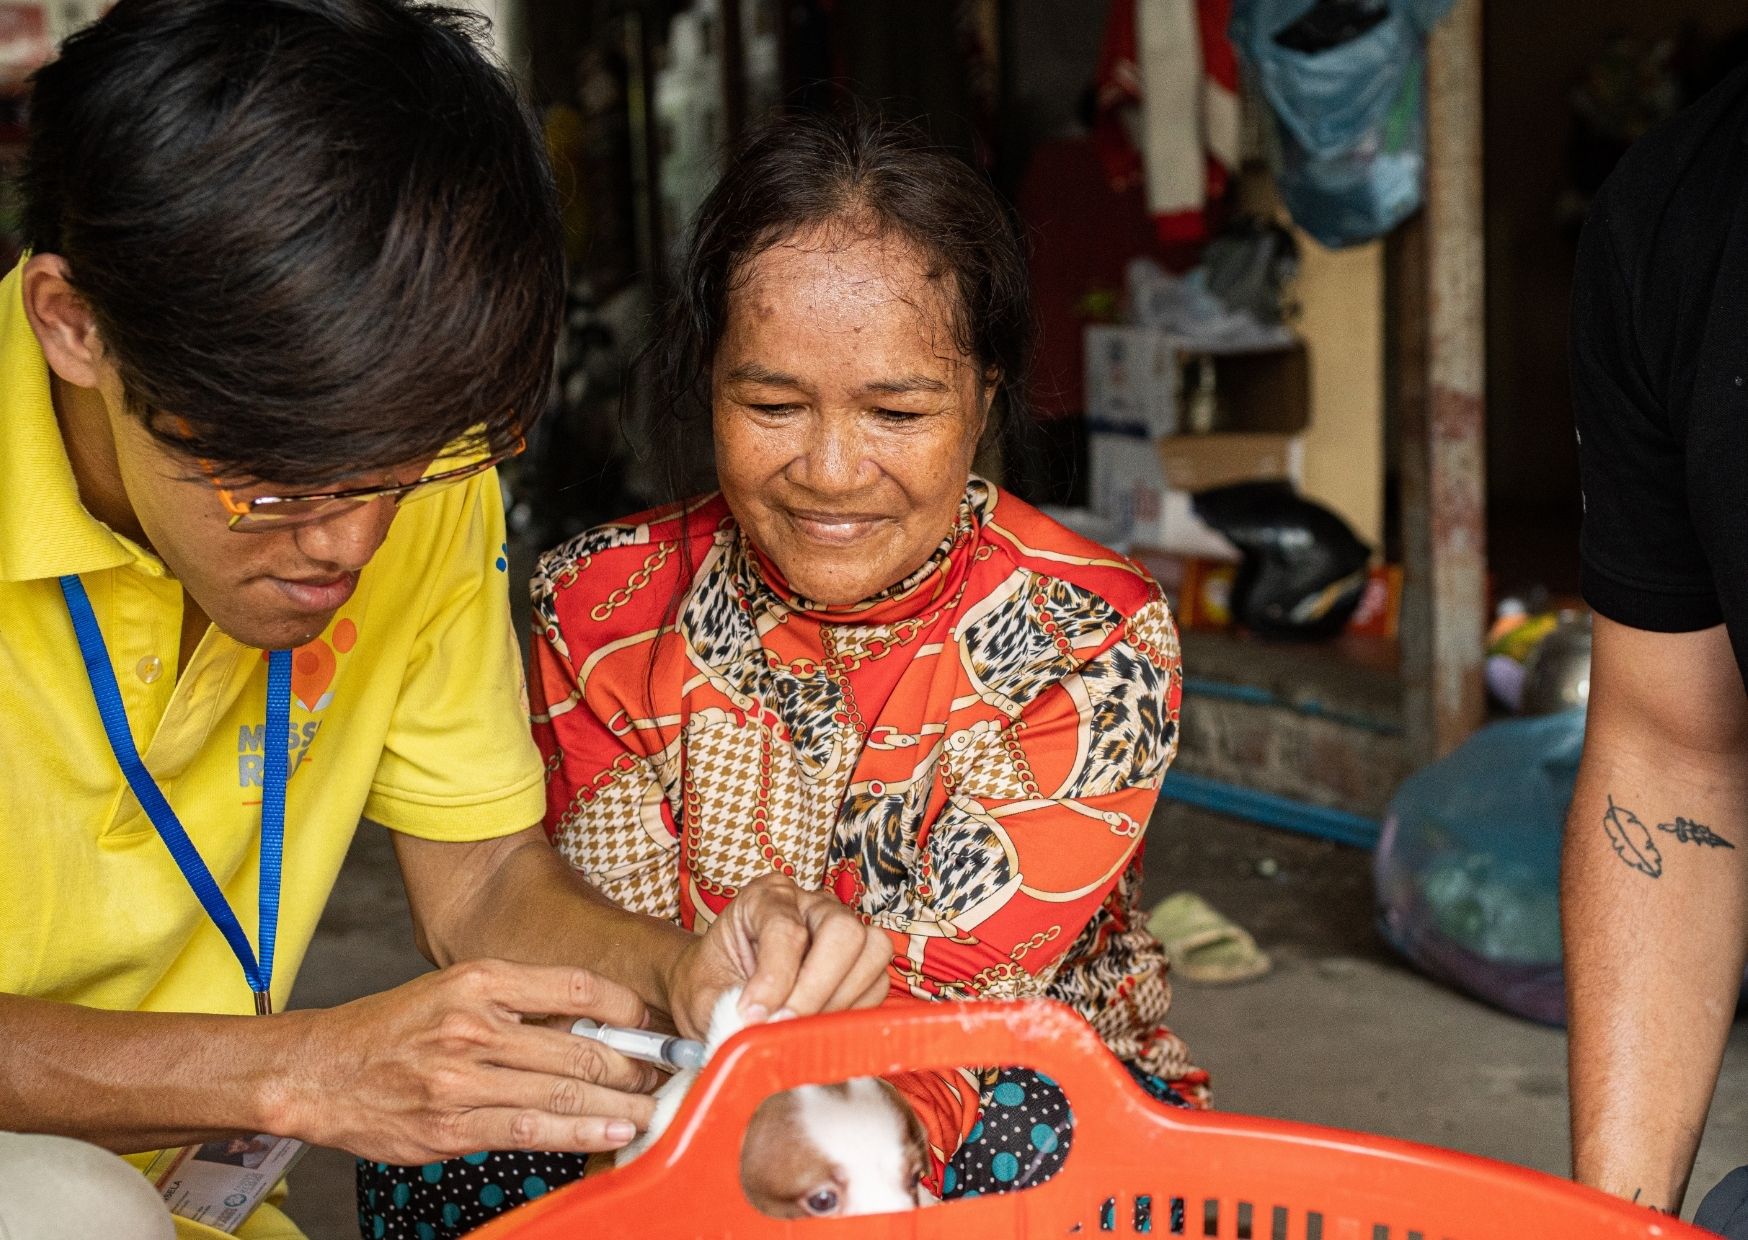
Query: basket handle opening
column 702, row 1147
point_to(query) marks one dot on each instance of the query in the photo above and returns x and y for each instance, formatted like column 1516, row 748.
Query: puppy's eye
column 821, row 1201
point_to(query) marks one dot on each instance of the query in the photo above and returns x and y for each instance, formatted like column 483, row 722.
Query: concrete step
column 1315, row 724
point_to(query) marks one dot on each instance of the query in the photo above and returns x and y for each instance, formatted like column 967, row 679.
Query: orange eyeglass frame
column 242, row 510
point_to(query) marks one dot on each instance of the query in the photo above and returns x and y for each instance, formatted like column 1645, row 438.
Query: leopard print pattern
column 718, row 633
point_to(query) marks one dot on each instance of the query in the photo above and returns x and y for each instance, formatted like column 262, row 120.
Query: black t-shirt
column 1660, row 376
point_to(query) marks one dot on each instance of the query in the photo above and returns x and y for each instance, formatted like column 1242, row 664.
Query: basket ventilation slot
column 1244, row 1220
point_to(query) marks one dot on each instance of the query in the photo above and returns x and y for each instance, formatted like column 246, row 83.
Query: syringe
column 643, row 1044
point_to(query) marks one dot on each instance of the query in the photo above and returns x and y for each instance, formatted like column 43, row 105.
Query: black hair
column 318, row 237
column 850, row 166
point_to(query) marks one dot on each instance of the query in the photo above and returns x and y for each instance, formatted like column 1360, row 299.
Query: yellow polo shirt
column 409, row 709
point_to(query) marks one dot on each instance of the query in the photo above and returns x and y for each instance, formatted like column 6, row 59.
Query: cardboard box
column 1197, row 462
column 1132, row 380
column 1261, row 392
column 1120, row 466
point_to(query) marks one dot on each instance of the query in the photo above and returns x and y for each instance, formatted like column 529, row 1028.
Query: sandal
column 1205, row 947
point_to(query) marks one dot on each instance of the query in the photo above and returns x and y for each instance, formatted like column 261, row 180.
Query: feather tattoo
column 1687, row 831
column 1632, row 840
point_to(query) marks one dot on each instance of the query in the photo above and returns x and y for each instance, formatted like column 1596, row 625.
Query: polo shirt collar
column 45, row 531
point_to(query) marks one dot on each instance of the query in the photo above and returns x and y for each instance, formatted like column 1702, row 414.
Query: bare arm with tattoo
column 1654, row 904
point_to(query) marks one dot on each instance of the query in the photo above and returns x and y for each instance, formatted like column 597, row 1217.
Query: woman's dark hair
column 319, row 237
column 806, row 170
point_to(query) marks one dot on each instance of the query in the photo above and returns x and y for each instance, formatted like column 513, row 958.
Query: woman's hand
column 795, row 952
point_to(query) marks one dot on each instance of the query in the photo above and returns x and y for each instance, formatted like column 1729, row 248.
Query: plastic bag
column 1468, row 866
column 1187, row 307
column 1349, row 118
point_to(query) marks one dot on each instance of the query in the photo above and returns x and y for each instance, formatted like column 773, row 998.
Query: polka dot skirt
column 1021, row 1138
column 1024, row 1132
column 446, row 1199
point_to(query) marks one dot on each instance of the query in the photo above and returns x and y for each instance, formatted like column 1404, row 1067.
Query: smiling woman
column 845, row 419
column 859, row 668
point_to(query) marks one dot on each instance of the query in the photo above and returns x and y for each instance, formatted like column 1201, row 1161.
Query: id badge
column 220, row 1183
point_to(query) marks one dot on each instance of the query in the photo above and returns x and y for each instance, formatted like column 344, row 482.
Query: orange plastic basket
column 1238, row 1177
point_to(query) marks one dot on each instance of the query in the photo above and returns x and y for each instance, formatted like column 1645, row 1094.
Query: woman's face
column 845, row 414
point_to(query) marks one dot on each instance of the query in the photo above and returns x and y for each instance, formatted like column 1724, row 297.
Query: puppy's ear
column 779, row 1161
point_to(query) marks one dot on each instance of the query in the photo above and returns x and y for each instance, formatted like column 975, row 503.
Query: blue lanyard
column 151, row 798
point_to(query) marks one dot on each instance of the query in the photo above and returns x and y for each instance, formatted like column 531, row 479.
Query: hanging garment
column 1168, row 110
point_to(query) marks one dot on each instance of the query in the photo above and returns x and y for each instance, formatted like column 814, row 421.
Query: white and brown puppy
column 851, row 1148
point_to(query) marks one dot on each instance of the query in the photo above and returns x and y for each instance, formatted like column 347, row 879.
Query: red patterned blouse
column 968, row 760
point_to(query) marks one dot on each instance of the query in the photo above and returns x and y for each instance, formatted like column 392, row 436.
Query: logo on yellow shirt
column 313, row 666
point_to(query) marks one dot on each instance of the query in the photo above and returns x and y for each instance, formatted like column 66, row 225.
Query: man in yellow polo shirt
column 296, row 265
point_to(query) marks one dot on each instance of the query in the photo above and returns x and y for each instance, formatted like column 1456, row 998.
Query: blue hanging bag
column 1344, row 80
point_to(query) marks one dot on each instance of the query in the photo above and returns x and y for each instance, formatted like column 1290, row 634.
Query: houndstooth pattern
column 724, row 765
column 982, row 763
column 627, row 851
column 1152, row 626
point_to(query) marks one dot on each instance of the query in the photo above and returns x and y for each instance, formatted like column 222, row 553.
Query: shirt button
column 149, row 668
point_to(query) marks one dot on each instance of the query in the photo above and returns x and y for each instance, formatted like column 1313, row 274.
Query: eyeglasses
column 282, row 512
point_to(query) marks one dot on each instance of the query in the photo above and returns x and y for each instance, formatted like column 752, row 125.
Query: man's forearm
column 1656, row 927
column 515, row 899
column 530, row 906
column 132, row 1081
